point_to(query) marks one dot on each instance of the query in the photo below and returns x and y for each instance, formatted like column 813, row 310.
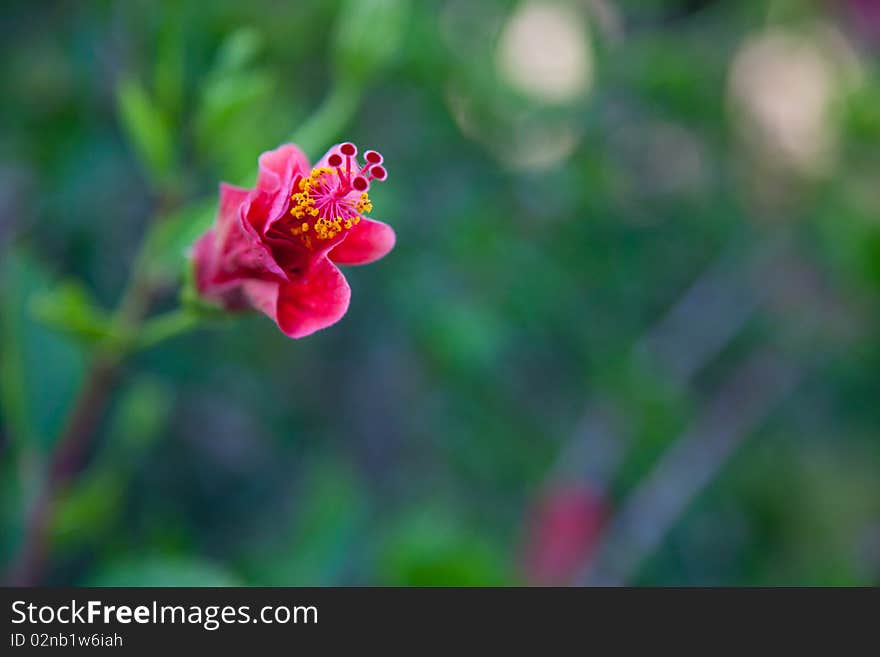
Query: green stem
column 163, row 327
column 75, row 441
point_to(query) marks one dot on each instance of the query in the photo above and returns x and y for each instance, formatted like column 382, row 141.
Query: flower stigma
column 332, row 198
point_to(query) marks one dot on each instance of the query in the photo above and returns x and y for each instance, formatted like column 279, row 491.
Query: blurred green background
column 629, row 332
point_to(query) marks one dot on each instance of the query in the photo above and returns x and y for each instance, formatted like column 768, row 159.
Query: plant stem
column 75, row 441
column 650, row 511
column 163, row 327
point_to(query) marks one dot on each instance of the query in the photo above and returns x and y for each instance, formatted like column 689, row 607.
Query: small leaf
column 146, row 128
column 235, row 109
column 226, row 98
column 70, row 309
column 239, row 50
column 40, row 370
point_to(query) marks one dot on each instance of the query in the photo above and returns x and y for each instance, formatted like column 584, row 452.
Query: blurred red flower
column 273, row 248
column 564, row 528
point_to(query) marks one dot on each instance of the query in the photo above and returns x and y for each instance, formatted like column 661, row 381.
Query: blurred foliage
column 550, row 212
column 146, row 129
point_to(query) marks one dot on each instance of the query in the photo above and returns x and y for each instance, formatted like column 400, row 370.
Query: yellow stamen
column 364, row 205
column 303, row 208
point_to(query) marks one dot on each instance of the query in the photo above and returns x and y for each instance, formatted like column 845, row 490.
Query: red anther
column 360, row 184
column 335, row 160
column 373, row 157
column 348, row 149
column 378, row 173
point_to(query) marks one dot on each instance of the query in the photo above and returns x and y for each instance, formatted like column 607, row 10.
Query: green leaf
column 41, row 369
column 70, row 308
column 225, row 98
column 146, row 128
column 237, row 105
column 238, row 50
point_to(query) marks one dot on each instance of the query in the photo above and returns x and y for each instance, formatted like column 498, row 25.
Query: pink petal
column 278, row 167
column 241, row 251
column 278, row 170
column 305, row 305
column 367, row 241
column 231, row 198
column 210, row 252
column 209, row 282
column 204, row 256
column 232, row 251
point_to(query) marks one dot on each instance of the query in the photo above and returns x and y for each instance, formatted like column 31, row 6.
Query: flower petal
column 238, row 249
column 231, row 198
column 210, row 252
column 204, row 257
column 365, row 242
column 306, row 305
column 278, row 171
column 278, row 167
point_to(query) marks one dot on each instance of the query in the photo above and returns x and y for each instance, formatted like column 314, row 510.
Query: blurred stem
column 336, row 111
column 75, row 441
column 166, row 326
column 647, row 515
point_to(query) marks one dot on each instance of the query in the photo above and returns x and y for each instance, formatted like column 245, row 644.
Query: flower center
column 332, row 198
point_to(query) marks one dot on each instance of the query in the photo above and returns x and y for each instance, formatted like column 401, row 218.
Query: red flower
column 273, row 247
